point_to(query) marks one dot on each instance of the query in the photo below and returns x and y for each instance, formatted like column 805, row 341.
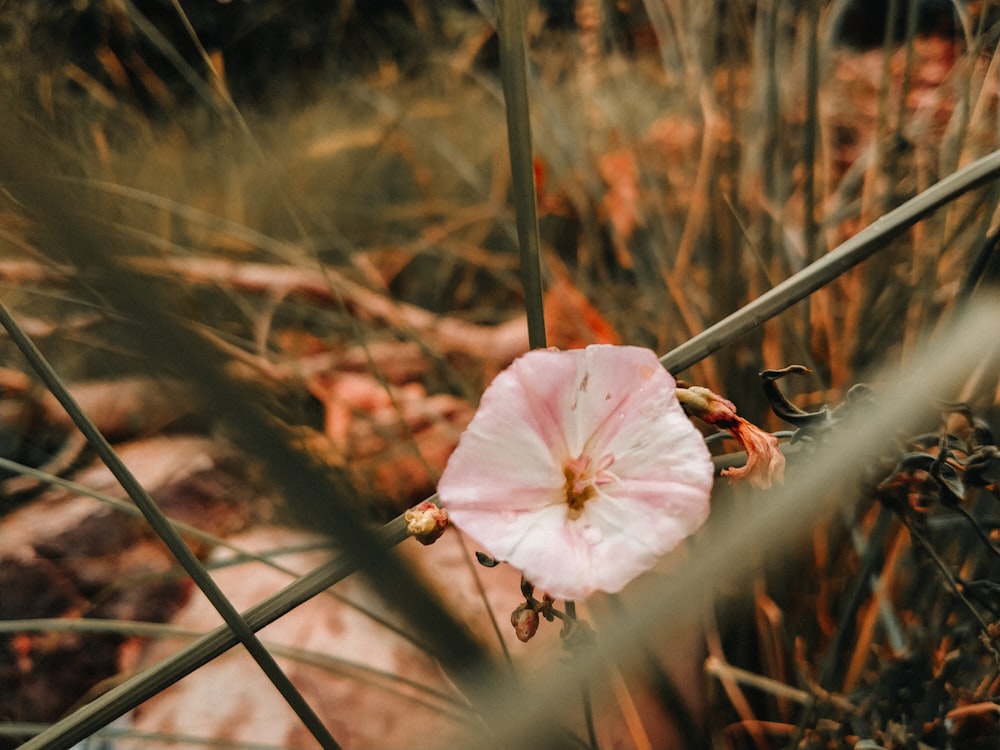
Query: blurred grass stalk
column 322, row 497
column 170, row 536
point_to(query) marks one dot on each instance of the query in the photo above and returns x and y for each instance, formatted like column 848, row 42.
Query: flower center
column 582, row 477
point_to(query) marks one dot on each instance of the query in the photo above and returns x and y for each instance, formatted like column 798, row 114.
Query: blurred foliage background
column 689, row 155
column 308, row 179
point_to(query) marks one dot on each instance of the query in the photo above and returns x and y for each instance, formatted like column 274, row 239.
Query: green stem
column 514, row 75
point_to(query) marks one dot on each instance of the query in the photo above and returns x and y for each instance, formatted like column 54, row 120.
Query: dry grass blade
column 866, row 242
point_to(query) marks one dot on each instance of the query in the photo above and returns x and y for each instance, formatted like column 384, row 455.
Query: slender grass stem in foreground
column 193, row 532
column 421, row 694
column 869, row 240
column 123, row 698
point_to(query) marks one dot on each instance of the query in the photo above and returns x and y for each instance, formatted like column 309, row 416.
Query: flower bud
column 525, row 622
column 426, row 522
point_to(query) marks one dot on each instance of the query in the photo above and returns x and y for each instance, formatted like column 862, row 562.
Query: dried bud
column 525, row 622
column 708, row 406
column 426, row 522
column 765, row 461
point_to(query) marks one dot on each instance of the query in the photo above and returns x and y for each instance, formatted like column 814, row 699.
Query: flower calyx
column 710, row 407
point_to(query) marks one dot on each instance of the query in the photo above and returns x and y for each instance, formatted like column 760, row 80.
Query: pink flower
column 580, row 469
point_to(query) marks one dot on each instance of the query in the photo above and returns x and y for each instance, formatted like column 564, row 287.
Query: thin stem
column 980, row 264
column 514, row 74
column 868, row 241
column 716, row 667
column 809, row 145
column 423, row 694
column 871, row 560
column 166, row 531
column 473, row 568
column 193, row 532
column 980, row 532
column 588, row 707
column 952, row 581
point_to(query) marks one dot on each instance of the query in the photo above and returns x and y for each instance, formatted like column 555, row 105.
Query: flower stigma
column 582, row 477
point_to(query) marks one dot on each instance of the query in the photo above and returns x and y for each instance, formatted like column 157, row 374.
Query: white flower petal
column 501, row 533
column 513, row 445
column 615, row 386
column 609, row 413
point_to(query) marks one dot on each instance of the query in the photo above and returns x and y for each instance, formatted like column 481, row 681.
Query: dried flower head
column 580, row 469
column 426, row 522
column 765, row 461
